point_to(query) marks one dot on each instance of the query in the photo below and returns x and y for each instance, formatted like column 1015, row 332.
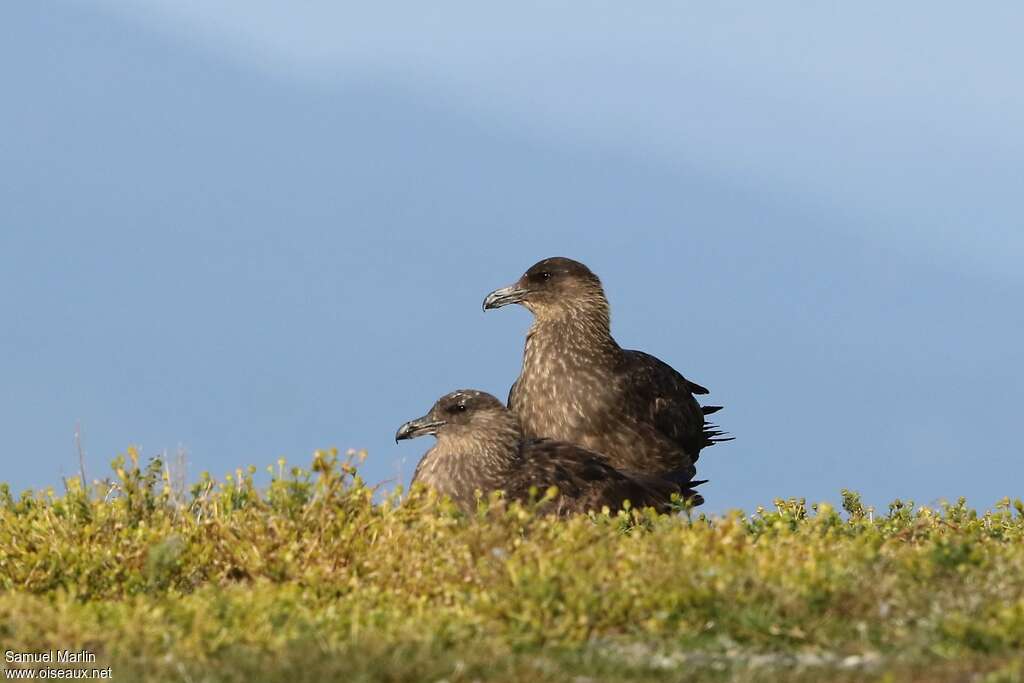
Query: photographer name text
column 50, row 657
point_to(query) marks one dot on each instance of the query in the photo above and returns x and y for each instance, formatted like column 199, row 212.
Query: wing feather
column 666, row 398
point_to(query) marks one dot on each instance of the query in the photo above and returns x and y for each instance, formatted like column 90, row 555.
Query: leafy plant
column 317, row 570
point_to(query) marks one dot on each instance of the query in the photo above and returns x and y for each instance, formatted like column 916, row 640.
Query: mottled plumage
column 480, row 447
column 578, row 385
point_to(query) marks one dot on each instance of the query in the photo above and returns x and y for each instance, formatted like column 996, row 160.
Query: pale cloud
column 904, row 118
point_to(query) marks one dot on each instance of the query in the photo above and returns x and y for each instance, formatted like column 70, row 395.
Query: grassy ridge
column 309, row 577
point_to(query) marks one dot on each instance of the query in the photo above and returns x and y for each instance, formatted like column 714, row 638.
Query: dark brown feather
column 586, row 481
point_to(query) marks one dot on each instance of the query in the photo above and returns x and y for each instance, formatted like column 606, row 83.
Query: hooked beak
column 513, row 294
column 418, row 427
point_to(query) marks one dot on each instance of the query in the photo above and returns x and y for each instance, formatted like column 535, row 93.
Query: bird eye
column 545, row 275
column 457, row 408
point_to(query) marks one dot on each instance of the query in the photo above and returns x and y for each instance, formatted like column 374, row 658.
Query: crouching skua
column 481, row 448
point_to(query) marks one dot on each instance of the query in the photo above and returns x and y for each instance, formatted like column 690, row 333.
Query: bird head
column 459, row 413
column 552, row 288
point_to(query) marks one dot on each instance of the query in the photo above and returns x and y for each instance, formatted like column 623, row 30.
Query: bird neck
column 474, row 459
column 583, row 333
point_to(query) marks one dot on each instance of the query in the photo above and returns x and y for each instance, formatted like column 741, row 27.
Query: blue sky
column 255, row 229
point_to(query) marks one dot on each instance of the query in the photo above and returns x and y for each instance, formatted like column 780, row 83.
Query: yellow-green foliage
column 319, row 576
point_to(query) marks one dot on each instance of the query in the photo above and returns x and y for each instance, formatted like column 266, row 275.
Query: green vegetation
column 317, row 577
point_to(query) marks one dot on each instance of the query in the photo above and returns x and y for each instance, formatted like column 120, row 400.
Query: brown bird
column 578, row 385
column 480, row 447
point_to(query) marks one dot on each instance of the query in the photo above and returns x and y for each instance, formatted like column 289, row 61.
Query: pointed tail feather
column 682, row 480
column 696, row 388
